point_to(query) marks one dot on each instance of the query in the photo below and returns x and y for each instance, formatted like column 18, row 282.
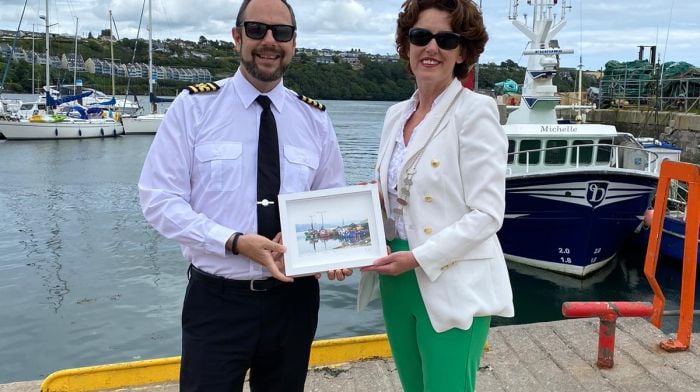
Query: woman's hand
column 393, row 264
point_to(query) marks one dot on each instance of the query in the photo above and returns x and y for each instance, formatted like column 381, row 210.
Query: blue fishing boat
column 574, row 192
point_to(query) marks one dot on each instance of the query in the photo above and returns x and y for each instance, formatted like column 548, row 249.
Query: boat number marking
column 564, row 251
column 593, row 259
column 597, row 251
column 565, row 260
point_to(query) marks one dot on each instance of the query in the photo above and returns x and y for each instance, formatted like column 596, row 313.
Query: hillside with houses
column 321, row 73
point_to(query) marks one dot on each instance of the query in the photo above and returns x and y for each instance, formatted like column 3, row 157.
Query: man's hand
column 393, row 264
column 264, row 252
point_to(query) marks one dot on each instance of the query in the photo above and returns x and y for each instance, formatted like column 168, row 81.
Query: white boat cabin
column 538, row 148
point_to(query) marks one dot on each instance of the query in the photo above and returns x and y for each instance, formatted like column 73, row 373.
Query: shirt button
column 434, row 163
column 428, row 198
column 428, row 230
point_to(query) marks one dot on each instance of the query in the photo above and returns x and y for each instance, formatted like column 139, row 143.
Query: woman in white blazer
column 441, row 170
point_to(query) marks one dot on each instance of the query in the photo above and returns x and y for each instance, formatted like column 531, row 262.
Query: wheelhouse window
column 555, row 153
column 604, row 151
column 533, row 157
column 583, row 154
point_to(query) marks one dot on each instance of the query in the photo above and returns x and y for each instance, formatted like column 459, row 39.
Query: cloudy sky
column 597, row 30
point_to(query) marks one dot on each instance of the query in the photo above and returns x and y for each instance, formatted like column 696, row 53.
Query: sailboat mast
column 111, row 48
column 33, row 59
column 151, row 96
column 48, row 59
column 75, row 59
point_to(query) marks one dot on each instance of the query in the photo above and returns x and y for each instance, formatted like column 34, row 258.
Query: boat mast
column 48, row 59
column 111, row 49
column 539, row 97
column 151, row 82
column 33, row 59
column 75, row 59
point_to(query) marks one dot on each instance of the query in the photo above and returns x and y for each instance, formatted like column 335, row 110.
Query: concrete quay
column 553, row 356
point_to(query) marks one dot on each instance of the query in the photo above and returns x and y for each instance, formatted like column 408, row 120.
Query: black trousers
column 227, row 331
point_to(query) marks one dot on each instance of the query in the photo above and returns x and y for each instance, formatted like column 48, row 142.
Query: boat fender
column 202, row 88
column 312, row 102
column 114, row 132
column 102, row 132
column 55, row 131
column 80, row 133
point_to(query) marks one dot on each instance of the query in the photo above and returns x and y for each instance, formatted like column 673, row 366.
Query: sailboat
column 57, row 125
column 146, row 124
column 574, row 192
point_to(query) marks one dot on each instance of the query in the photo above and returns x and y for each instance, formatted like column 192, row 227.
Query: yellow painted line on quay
column 162, row 370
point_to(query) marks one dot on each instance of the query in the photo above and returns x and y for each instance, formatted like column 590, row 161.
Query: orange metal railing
column 690, row 174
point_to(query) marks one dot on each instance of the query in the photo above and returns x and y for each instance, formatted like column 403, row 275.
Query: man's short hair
column 241, row 13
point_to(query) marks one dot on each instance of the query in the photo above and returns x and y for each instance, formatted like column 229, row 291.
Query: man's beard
column 261, row 75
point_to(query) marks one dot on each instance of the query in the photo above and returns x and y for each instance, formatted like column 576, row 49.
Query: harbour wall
column 681, row 129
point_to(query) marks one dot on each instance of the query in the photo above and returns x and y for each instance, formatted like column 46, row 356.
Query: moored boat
column 65, row 128
column 574, row 192
column 44, row 123
column 146, row 124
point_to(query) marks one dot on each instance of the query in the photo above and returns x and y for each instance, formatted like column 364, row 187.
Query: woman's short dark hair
column 466, row 21
column 244, row 6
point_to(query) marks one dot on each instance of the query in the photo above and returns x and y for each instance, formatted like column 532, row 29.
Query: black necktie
column 268, row 171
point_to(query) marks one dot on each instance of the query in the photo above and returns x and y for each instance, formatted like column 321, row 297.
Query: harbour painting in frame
column 331, row 229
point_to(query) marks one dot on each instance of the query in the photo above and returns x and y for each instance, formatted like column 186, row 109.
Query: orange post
column 690, row 174
column 608, row 312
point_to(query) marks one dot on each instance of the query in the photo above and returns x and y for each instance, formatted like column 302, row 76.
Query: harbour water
column 86, row 281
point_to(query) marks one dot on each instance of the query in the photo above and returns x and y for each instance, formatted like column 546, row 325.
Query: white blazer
column 454, row 210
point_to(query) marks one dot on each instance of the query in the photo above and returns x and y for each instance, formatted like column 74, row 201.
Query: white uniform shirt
column 198, row 184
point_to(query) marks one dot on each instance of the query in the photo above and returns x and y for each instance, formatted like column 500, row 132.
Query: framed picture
column 331, row 229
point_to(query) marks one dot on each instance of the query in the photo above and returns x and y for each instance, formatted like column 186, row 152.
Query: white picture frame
column 331, row 229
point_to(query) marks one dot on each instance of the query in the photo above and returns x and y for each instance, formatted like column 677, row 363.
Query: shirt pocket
column 298, row 168
column 220, row 165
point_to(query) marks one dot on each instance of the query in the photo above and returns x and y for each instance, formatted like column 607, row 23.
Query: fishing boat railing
column 689, row 174
column 620, row 157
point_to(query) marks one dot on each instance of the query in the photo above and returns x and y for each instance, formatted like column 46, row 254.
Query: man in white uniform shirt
column 198, row 186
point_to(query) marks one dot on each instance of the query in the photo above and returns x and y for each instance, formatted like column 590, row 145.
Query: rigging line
column 663, row 61
column 133, row 56
column 668, row 30
column 12, row 50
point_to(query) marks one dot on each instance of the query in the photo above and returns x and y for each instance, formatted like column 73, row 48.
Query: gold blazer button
column 428, row 198
column 434, row 163
column 428, row 230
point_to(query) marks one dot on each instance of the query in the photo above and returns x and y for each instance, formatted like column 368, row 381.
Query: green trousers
column 428, row 361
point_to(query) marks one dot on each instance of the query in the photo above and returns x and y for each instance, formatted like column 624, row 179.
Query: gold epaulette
column 202, row 88
column 312, row 102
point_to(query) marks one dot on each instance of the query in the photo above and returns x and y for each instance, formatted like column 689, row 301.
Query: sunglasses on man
column 257, row 31
column 446, row 40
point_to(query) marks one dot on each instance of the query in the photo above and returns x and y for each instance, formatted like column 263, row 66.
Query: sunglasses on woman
column 257, row 31
column 446, row 40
